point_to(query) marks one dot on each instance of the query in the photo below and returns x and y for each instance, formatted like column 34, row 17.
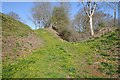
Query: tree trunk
column 39, row 24
column 91, row 26
column 35, row 26
column 114, row 17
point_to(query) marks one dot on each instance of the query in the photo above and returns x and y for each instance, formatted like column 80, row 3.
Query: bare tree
column 14, row 15
column 80, row 21
column 89, row 8
column 34, row 20
column 41, row 13
column 46, row 13
column 36, row 15
column 113, row 6
column 66, row 6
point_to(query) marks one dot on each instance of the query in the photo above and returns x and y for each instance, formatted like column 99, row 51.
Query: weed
column 15, row 50
column 17, row 44
column 90, row 60
column 72, row 69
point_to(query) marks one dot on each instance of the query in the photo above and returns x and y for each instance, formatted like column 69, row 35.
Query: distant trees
column 60, row 20
column 14, row 15
column 101, row 20
column 59, row 17
column 80, row 21
column 41, row 13
column 66, row 6
column 113, row 6
column 90, row 7
column 62, row 23
column 88, row 20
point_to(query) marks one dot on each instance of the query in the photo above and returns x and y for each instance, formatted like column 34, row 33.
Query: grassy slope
column 14, row 27
column 17, row 38
column 64, row 59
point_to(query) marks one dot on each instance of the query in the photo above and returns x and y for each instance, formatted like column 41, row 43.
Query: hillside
column 94, row 58
column 17, row 38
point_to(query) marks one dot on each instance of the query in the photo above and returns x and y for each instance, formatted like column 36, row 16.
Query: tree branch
column 86, row 12
column 94, row 7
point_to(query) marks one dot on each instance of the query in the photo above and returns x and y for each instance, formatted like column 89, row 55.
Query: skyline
column 23, row 9
column 58, row 0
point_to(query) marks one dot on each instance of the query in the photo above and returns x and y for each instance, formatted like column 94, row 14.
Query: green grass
column 14, row 27
column 57, row 59
column 17, row 38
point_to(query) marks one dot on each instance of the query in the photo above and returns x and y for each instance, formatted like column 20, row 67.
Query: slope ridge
column 17, row 38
